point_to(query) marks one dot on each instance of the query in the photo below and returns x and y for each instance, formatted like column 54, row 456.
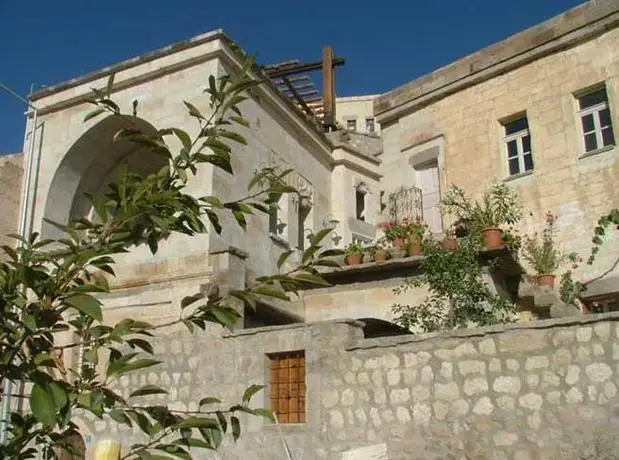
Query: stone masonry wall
column 11, row 171
column 545, row 389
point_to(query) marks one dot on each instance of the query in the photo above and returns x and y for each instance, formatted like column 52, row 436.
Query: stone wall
column 545, row 389
column 11, row 171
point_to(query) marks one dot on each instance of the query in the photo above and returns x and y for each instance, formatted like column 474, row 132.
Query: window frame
column 355, row 127
column 595, row 111
column 517, row 136
column 300, row 382
column 372, row 121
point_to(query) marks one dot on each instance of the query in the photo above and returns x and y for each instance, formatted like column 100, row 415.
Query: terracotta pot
column 493, row 237
column 414, row 248
column 354, row 259
column 379, row 255
column 450, row 244
column 546, row 280
column 399, row 242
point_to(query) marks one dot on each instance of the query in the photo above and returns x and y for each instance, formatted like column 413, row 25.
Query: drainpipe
column 24, row 231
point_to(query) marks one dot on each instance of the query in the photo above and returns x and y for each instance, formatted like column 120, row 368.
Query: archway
column 91, row 164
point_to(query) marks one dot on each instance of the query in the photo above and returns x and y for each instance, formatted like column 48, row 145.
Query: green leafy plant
column 540, row 251
column 354, row 249
column 53, row 286
column 498, row 206
column 458, row 296
column 393, row 230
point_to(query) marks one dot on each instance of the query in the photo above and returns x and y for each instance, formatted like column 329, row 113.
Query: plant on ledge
column 354, row 254
column 498, row 208
column 542, row 255
column 458, row 296
column 378, row 250
column 399, row 233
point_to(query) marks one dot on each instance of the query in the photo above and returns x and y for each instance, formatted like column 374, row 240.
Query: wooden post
column 328, row 87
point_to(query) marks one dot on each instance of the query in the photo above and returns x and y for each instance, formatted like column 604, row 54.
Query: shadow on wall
column 91, row 164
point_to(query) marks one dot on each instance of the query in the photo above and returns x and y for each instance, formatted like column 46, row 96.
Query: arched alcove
column 91, row 164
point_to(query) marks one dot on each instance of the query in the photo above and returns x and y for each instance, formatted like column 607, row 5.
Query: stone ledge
column 388, row 342
column 267, row 329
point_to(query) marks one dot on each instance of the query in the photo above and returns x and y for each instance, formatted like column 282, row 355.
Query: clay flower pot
column 546, row 279
column 399, row 242
column 354, row 259
column 450, row 244
column 414, row 247
column 380, row 255
column 493, row 237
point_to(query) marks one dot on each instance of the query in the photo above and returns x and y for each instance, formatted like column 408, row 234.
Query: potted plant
column 542, row 255
column 379, row 252
column 416, row 231
column 450, row 242
column 395, row 232
column 499, row 206
column 354, row 254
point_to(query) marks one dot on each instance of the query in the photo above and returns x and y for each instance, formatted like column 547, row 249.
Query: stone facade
column 544, row 389
column 454, row 117
column 11, row 171
column 357, row 110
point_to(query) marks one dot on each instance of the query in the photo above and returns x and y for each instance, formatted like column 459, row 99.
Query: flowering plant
column 394, row 230
column 354, row 249
column 540, row 251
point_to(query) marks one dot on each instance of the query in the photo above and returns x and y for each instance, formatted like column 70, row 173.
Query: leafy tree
column 458, row 296
column 51, row 286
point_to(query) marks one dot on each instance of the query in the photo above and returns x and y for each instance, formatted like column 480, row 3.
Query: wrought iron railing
column 405, row 202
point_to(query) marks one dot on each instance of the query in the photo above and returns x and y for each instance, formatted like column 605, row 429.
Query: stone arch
column 91, row 164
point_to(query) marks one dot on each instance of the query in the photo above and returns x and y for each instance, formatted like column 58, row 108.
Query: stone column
column 229, row 274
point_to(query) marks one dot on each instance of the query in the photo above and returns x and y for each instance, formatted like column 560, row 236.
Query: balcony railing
column 405, row 202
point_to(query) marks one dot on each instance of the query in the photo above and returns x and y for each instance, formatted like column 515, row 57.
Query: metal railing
column 405, row 202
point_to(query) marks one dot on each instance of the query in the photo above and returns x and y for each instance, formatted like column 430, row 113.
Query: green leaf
column 42, row 405
column 283, row 257
column 213, row 201
column 232, row 136
column 186, row 301
column 193, row 110
column 226, row 316
column 110, row 85
column 94, row 113
column 86, row 304
column 269, row 291
column 148, row 390
column 59, row 395
column 266, row 413
column 241, row 121
column 312, row 279
column 120, row 417
column 236, row 428
column 251, row 391
column 198, row 422
column 209, row 400
column 318, row 237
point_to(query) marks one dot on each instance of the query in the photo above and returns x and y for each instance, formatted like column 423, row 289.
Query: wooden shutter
column 287, row 386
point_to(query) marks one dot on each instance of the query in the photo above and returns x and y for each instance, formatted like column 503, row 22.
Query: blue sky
column 385, row 43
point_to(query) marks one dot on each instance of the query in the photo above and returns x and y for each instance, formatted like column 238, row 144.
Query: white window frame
column 518, row 137
column 372, row 121
column 597, row 124
column 352, row 120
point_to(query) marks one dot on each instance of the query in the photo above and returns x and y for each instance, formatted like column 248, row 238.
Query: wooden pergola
column 293, row 79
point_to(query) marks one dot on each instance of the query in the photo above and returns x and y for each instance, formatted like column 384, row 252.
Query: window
column 594, row 113
column 360, row 203
column 518, row 146
column 287, row 386
column 369, row 125
column 602, row 304
column 351, row 125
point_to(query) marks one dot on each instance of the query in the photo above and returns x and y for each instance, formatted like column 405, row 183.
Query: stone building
column 356, row 113
column 11, row 170
column 536, row 110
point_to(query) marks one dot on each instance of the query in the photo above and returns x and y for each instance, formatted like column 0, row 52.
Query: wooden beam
column 298, row 98
column 274, row 73
column 328, row 86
